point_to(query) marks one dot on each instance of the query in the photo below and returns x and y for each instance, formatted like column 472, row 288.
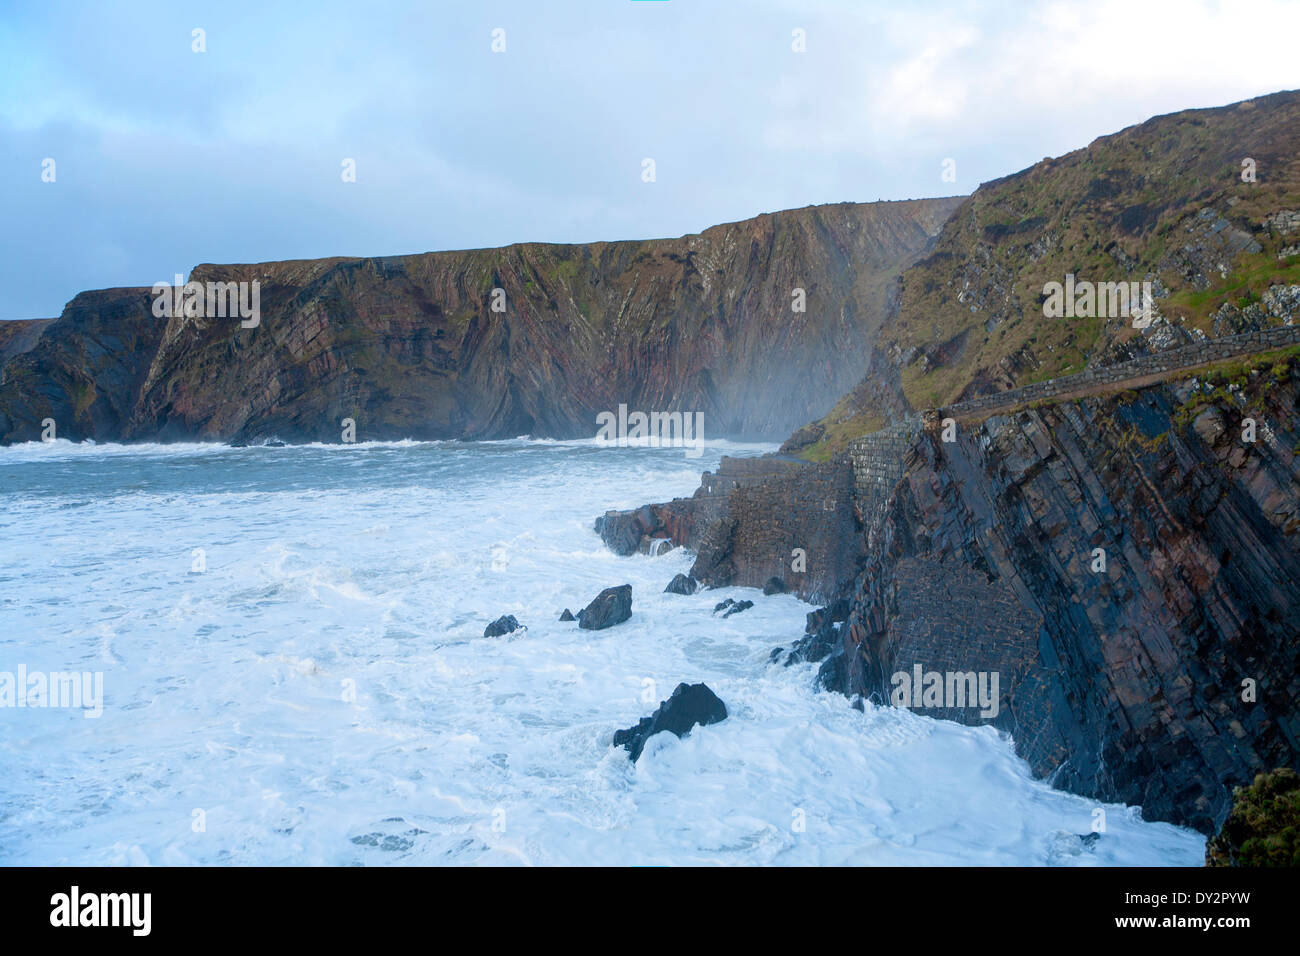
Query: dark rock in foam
column 690, row 705
column 611, row 606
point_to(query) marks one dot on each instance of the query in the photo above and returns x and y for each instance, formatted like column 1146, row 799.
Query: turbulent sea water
column 321, row 692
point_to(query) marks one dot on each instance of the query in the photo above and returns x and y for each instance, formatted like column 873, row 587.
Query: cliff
column 1204, row 205
column 410, row 346
column 1128, row 564
column 1103, row 513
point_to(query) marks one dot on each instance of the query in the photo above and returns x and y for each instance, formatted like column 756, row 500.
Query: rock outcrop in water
column 689, row 706
column 755, row 520
column 611, row 606
column 506, row 624
column 681, row 584
column 410, row 346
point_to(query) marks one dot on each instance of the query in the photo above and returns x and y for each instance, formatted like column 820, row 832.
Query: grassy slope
column 1123, row 209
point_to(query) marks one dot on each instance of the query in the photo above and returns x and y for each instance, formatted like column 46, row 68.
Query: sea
column 288, row 644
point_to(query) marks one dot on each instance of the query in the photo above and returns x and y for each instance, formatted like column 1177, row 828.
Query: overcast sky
column 165, row 158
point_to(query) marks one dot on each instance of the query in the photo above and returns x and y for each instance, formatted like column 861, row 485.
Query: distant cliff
column 410, row 346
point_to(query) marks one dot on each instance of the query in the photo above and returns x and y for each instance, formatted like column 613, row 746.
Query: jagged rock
column 738, row 607
column 681, row 584
column 689, row 705
column 650, row 529
column 1282, row 301
column 621, row 531
column 1210, row 425
column 611, row 606
column 774, row 585
column 1283, row 222
column 567, row 615
column 505, row 624
column 1263, row 828
column 821, row 635
column 835, row 674
column 740, row 538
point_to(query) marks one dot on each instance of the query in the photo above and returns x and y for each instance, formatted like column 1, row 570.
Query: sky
column 164, row 157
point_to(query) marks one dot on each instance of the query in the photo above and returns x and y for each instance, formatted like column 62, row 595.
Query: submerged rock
column 611, row 606
column 505, row 624
column 567, row 615
column 738, row 607
column 681, row 584
column 689, row 705
column 732, row 606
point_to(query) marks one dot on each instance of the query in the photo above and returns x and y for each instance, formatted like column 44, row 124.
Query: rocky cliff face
column 410, row 346
column 754, row 520
column 1128, row 565
column 82, row 370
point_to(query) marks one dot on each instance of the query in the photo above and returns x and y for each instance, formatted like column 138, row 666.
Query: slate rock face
column 503, row 625
column 690, row 705
column 611, row 606
column 1125, row 684
column 84, row 369
column 681, row 584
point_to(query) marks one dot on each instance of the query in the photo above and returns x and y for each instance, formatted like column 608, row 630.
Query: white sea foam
column 374, row 569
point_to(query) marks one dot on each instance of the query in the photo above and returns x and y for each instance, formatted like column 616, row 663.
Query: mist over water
column 321, row 693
